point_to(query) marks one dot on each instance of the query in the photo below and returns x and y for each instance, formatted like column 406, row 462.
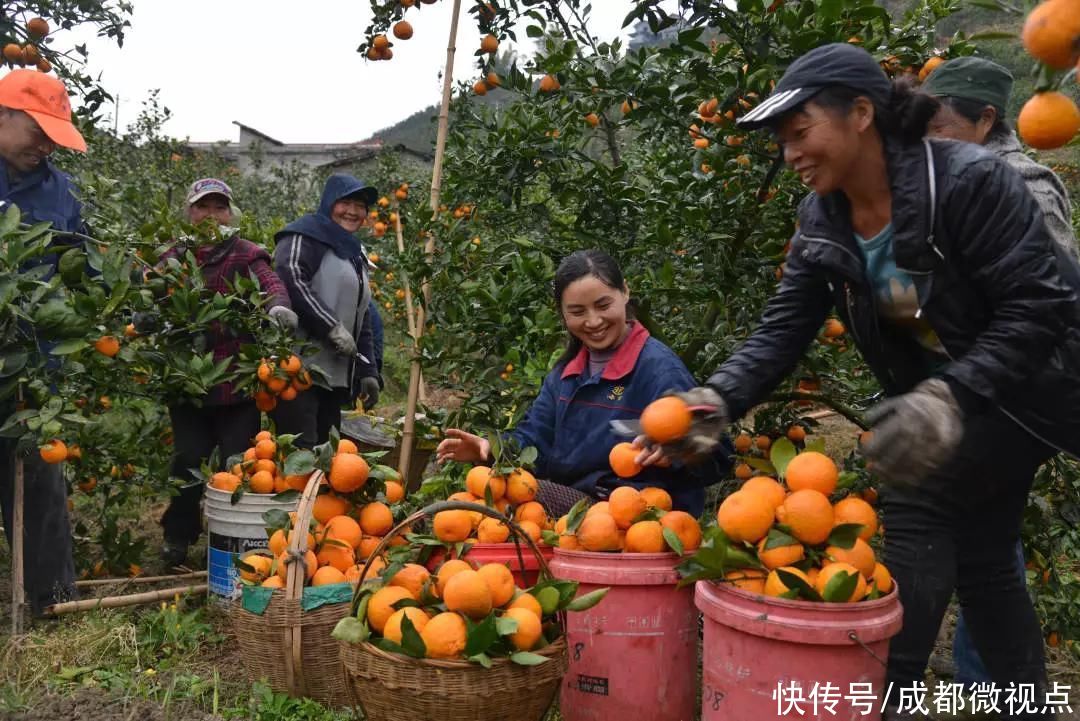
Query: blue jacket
column 44, row 195
column 568, row 422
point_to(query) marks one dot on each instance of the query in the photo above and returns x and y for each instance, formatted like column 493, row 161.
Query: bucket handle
column 855, row 638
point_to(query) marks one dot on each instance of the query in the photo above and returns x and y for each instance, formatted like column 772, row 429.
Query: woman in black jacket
column 937, row 259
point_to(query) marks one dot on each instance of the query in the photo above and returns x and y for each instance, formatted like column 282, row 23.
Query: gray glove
column 145, row 322
column 284, row 317
column 914, row 434
column 342, row 341
column 368, row 391
column 707, row 429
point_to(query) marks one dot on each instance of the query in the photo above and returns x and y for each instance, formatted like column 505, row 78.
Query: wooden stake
column 410, row 309
column 135, row 599
column 408, row 438
column 91, row 582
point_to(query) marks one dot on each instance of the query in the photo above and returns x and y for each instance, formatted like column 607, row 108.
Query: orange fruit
column 743, row 471
column 412, row 577
column 265, row 449
column 260, row 568
column 37, row 28
column 225, row 482
column 500, row 582
column 796, row 434
column 348, row 472
column 645, row 537
column 326, row 576
column 548, row 83
column 1051, row 33
column 833, row 328
column 592, row 119
column 277, row 384
column 261, row 482
column 531, row 511
column 367, row 546
column 489, row 44
column 345, row 529
column 598, row 532
column 447, row 570
column 264, row 401
column 264, row 464
column 403, row 30
column 808, row 514
column 480, row 478
column 743, row 443
column 380, row 42
column 273, row 582
column 521, row 487
column 745, row 516
column 775, row 587
column 327, row 506
column 107, row 345
column 625, row 504
column 528, row 602
column 381, row 605
column 491, row 530
column 666, row 419
column 532, row 530
column 748, row 579
column 763, row 443
column 600, row 507
column 346, row 446
column 291, row 365
column 55, row 451
column 685, row 526
column 311, row 564
column 444, row 636
column 856, row 510
column 297, row 483
column 467, row 592
column 831, row 569
column 860, row 555
column 1048, row 120
column 780, row 556
column 376, row 519
column 767, row 487
column 265, row 372
column 528, row 630
column 623, row 460
column 452, row 526
column 392, row 627
column 882, row 578
column 279, row 541
column 813, row 470
column 657, row 498
column 333, row 553
column 395, row 492
column 930, row 66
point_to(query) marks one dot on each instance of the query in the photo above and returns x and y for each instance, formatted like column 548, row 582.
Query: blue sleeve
column 537, row 428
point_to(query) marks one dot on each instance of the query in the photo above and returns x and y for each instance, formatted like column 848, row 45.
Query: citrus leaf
column 528, row 456
column 817, row 445
column 410, row 640
column 760, row 464
column 550, row 537
column 846, row 479
column 351, row 630
column 796, row 583
column 481, row 658
column 481, row 637
column 505, row 625
column 300, row 463
column 577, row 514
column 524, row 658
column 285, row 496
column 840, row 587
column 844, row 535
column 781, row 454
column 672, row 540
column 584, row 603
column 778, row 538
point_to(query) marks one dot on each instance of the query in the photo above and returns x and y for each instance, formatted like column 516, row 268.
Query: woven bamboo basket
column 393, row 687
column 289, row 647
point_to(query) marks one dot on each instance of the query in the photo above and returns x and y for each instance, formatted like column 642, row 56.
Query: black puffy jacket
column 990, row 282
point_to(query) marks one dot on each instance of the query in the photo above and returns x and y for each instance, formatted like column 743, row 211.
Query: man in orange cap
column 35, row 119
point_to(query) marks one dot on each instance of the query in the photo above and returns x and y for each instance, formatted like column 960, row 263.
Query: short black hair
column 972, row 110
column 905, row 118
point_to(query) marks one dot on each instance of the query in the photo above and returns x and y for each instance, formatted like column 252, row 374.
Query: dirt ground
column 95, row 705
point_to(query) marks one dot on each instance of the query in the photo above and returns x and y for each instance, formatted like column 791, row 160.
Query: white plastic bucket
column 233, row 530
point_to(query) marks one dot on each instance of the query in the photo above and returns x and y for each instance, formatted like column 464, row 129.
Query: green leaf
column 481, row 637
column 781, row 454
column 840, row 587
column 816, row 445
column 69, row 346
column 577, row 514
column 760, row 464
column 797, row 584
column 534, row 31
column 846, row 479
column 778, row 538
column 673, row 541
column 506, row 626
column 587, row 601
column 550, row 537
column 526, row 658
column 844, row 535
column 483, row 659
column 285, row 496
column 351, row 630
column 528, row 456
column 411, row 642
column 276, row 518
column 300, row 463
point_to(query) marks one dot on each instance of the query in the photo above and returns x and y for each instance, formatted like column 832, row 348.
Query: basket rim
column 552, row 650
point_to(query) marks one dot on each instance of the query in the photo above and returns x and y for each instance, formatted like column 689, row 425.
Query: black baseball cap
column 833, row 64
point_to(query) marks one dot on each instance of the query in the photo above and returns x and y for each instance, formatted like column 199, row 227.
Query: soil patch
column 95, row 705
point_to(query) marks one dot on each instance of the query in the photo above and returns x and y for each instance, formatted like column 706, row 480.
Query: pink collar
column 626, row 356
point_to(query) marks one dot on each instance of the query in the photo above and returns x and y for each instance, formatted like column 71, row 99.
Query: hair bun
column 909, row 112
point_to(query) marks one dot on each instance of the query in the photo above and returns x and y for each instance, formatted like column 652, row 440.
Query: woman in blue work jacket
column 611, row 370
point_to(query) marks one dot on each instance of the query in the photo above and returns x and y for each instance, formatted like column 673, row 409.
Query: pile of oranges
column 791, row 527
column 444, row 605
column 343, row 534
column 631, row 521
column 29, row 54
column 281, row 382
column 260, row 471
column 514, row 493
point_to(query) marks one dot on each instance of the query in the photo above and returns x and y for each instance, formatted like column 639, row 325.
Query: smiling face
column 23, row 144
column 215, row 206
column 948, row 123
column 824, row 145
column 595, row 313
column 349, row 213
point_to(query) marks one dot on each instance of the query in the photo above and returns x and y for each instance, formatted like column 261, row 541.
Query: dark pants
column 959, row 531
column 196, row 432
column 48, row 568
column 312, row 414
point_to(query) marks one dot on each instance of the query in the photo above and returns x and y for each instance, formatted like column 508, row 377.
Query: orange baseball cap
column 45, row 99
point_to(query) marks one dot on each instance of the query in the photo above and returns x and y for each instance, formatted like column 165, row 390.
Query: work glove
column 914, row 434
column 284, row 317
column 342, row 341
column 368, row 391
column 710, row 421
column 145, row 322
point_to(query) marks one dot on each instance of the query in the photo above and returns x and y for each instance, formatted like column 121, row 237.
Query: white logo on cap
column 763, row 110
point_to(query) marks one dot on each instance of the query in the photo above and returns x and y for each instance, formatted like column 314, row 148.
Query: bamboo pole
column 135, row 599
column 408, row 438
column 410, row 309
column 91, row 582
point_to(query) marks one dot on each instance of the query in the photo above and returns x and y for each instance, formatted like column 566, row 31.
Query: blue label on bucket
column 223, row 577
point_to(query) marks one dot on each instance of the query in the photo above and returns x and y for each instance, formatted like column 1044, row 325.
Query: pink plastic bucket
column 505, row 553
column 633, row 656
column 755, row 645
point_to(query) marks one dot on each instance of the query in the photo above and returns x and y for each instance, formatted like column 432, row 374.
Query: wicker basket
column 393, row 687
column 289, row 647
column 369, row 440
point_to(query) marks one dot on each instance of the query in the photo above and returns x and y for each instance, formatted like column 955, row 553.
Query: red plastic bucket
column 633, row 656
column 756, row 645
column 505, row 553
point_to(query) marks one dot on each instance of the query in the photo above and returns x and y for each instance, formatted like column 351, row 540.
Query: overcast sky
column 288, row 69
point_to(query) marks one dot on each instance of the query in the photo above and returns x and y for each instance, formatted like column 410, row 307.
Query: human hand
column 368, row 391
column 462, row 446
column 284, row 317
column 342, row 341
